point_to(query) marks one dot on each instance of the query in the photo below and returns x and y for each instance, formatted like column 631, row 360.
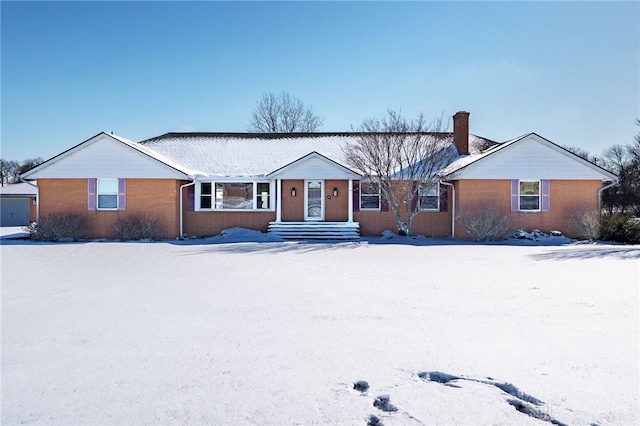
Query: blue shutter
column 91, row 193
column 122, row 194
column 546, row 196
column 515, row 195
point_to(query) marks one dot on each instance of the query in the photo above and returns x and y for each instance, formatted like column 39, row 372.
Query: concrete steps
column 344, row 231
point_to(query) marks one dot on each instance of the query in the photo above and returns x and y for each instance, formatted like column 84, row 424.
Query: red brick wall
column 204, row 223
column 427, row 223
column 336, row 208
column 32, row 209
column 157, row 198
column 209, row 223
column 292, row 207
column 566, row 197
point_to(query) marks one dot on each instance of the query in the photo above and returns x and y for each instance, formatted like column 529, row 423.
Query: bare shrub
column 136, row 228
column 585, row 225
column 486, row 224
column 58, row 225
column 75, row 226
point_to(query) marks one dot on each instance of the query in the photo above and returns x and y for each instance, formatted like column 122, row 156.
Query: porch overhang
column 313, row 166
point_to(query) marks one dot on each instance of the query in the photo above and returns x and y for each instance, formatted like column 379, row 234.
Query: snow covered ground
column 217, row 332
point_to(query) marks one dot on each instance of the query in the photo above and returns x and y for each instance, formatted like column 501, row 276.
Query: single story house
column 17, row 204
column 198, row 184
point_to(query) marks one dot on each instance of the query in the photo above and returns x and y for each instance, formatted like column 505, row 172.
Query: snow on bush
column 58, row 225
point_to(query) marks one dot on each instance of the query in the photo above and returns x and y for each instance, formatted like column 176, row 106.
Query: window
column 205, row 195
column 262, row 195
column 429, row 197
column 370, row 196
column 529, row 194
column 107, row 194
column 235, row 195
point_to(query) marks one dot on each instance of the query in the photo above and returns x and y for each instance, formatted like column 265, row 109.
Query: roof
column 260, row 154
column 18, row 189
column 131, row 146
column 465, row 161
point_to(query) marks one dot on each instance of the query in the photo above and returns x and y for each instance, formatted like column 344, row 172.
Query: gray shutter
column 191, row 202
column 91, row 193
column 515, row 195
column 122, row 194
column 546, row 197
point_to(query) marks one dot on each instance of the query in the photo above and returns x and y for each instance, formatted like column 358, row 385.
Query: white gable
column 314, row 166
column 105, row 156
column 532, row 157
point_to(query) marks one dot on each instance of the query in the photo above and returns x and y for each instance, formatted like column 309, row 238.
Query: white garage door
column 15, row 211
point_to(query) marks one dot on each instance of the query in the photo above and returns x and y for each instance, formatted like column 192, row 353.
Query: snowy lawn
column 442, row 332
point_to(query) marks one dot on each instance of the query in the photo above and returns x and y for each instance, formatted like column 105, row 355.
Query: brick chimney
column 461, row 132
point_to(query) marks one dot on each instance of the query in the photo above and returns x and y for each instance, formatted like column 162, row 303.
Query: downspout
column 453, row 207
column 614, row 183
column 181, row 188
column 37, row 198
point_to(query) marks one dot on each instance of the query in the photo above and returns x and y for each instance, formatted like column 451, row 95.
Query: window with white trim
column 429, row 196
column 529, row 195
column 107, row 194
column 235, row 196
column 369, row 196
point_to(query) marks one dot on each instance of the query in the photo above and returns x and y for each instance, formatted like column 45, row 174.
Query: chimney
column 461, row 132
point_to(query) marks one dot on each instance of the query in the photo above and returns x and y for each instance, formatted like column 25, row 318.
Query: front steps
column 344, row 231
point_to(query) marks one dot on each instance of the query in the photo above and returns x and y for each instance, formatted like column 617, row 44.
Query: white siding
column 106, row 158
column 314, row 167
column 531, row 158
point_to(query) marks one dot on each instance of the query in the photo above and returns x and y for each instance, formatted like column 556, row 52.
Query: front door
column 314, row 200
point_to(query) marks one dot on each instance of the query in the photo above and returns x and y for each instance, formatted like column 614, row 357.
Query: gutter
column 37, row 197
column 614, row 183
column 181, row 219
column 453, row 207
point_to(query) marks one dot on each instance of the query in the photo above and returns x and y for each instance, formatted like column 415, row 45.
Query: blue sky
column 569, row 71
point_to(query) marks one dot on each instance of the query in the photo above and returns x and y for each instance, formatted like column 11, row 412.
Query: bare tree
column 8, row 171
column 634, row 149
column 11, row 170
column 583, row 153
column 403, row 157
column 29, row 164
column 283, row 113
column 624, row 197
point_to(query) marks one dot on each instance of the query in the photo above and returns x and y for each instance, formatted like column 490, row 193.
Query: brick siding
column 566, row 198
column 427, row 223
column 157, row 198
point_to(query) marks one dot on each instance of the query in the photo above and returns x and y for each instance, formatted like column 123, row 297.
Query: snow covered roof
column 18, row 189
column 257, row 154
